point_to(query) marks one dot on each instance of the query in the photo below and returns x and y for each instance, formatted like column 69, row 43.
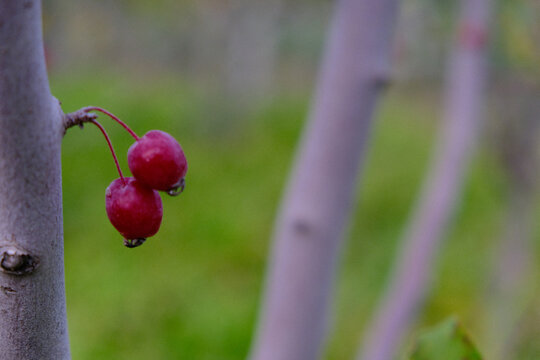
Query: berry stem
column 93, row 121
column 112, row 116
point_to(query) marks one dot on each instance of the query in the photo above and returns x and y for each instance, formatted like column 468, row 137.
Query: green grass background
column 192, row 291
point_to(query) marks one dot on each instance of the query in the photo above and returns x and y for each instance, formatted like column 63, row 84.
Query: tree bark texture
column 464, row 99
column 32, row 298
column 309, row 229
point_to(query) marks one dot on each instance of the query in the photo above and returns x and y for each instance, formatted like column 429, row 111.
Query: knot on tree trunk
column 16, row 261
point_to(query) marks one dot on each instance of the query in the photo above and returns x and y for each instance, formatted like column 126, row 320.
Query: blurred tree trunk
column 420, row 41
column 33, row 323
column 247, row 33
column 466, row 84
column 252, row 50
column 309, row 229
column 512, row 285
column 208, row 39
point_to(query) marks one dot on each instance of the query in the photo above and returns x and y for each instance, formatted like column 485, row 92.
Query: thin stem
column 112, row 116
column 111, row 148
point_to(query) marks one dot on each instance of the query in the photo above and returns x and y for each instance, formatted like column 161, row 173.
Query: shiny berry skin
column 133, row 209
column 158, row 161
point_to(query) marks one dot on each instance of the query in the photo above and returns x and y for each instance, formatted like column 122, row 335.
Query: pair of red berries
column 157, row 163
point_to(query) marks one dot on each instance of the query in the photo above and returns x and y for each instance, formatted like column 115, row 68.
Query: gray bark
column 461, row 119
column 309, row 229
column 32, row 298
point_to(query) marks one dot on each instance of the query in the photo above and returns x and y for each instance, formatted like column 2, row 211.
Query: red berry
column 158, row 161
column 133, row 209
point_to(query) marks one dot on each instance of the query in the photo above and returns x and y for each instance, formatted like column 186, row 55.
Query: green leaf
column 446, row 341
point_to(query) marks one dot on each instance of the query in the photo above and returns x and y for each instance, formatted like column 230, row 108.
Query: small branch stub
column 78, row 118
column 15, row 261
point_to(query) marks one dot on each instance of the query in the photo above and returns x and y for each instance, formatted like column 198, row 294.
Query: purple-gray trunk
column 309, row 229
column 32, row 298
column 463, row 104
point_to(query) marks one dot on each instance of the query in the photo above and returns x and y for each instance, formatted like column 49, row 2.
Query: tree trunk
column 309, row 228
column 32, row 298
column 512, row 286
column 513, row 283
column 464, row 99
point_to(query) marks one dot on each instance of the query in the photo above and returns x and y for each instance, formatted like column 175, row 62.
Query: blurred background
column 232, row 81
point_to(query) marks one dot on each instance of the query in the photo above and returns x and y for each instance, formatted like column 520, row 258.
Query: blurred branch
column 463, row 104
column 309, row 229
